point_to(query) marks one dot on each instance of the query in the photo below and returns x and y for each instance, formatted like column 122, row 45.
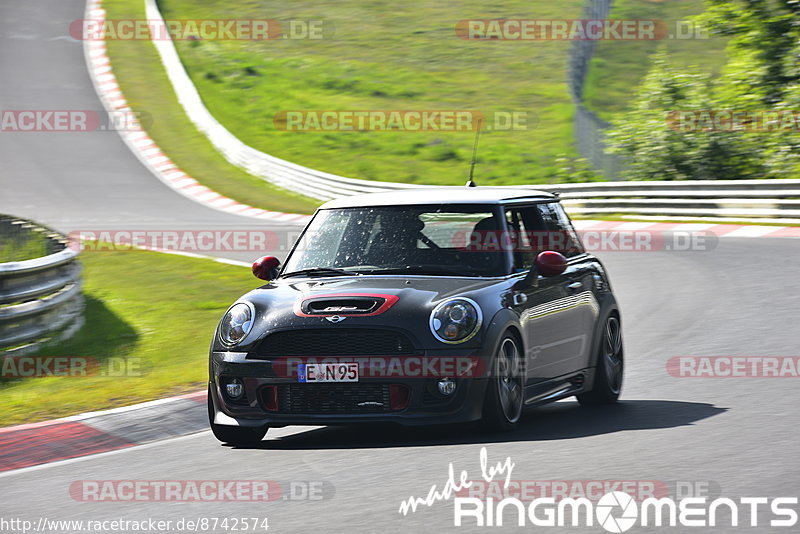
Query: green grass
column 379, row 56
column 22, row 246
column 386, row 56
column 156, row 310
column 618, row 66
column 146, row 87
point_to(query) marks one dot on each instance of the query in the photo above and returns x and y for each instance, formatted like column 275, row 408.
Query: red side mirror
column 266, row 267
column 550, row 263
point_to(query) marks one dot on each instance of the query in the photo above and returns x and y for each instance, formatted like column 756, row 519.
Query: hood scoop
column 341, row 305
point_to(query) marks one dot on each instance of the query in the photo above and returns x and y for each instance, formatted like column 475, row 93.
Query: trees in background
column 762, row 74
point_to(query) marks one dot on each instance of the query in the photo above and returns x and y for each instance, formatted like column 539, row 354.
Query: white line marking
column 123, row 409
column 580, row 224
column 98, row 455
column 693, row 227
column 633, row 226
column 233, row 262
column 752, row 231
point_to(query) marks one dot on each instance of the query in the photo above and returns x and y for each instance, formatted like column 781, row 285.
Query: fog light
column 398, row 396
column 446, row 386
column 234, row 388
column 269, row 398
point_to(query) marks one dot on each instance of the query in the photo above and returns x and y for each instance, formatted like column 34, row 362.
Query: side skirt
column 558, row 388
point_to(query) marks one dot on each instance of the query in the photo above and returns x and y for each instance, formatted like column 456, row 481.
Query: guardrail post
column 40, row 298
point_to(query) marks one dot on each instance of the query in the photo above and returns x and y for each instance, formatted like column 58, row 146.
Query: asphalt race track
column 736, row 436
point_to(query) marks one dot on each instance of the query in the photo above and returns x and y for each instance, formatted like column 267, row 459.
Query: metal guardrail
column 735, row 199
column 731, row 199
column 40, row 298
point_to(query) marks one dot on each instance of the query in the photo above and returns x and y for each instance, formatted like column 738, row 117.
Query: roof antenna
column 471, row 182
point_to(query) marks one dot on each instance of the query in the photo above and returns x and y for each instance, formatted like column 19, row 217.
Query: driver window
column 563, row 237
column 525, row 227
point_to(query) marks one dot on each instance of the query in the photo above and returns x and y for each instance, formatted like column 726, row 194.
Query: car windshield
column 425, row 240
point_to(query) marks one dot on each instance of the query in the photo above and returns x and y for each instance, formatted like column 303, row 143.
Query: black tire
column 239, row 436
column 502, row 406
column 610, row 368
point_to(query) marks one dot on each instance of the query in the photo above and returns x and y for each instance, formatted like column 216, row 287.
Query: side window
column 526, row 226
column 575, row 245
column 442, row 230
column 562, row 235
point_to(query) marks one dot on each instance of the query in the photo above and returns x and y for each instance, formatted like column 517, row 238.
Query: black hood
column 402, row 301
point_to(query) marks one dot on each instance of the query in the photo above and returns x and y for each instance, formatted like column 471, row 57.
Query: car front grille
column 333, row 398
column 335, row 342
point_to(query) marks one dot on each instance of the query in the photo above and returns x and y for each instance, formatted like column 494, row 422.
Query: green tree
column 762, row 73
column 762, row 48
column 655, row 147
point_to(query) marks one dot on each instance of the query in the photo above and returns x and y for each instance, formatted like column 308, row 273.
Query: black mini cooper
column 425, row 306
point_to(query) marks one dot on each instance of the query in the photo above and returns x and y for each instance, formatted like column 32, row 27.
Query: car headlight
column 456, row 320
column 237, row 323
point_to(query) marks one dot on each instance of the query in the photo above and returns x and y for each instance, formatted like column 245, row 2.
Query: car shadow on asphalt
column 562, row 420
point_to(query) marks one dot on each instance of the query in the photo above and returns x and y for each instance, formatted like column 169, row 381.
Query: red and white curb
column 97, row 432
column 145, row 148
column 719, row 230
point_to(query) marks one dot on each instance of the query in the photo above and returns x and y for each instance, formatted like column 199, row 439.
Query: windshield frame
column 496, row 209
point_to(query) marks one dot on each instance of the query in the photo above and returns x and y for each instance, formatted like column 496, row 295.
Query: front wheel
column 502, row 407
column 610, row 366
column 239, row 436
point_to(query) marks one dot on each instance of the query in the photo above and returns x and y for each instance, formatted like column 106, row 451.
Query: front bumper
column 425, row 406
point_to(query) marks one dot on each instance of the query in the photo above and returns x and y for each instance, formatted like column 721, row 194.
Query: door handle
column 574, row 286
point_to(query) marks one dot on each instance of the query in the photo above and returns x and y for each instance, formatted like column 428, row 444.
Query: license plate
column 327, row 372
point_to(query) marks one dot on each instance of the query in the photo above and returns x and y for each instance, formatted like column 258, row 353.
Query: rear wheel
column 610, row 366
column 240, row 436
column 502, row 407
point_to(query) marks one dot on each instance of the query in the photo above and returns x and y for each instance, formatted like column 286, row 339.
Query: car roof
column 440, row 195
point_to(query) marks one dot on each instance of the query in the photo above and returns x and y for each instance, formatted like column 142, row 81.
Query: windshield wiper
column 319, row 271
column 423, row 269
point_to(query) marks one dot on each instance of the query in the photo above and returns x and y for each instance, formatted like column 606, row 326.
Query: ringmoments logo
column 615, row 511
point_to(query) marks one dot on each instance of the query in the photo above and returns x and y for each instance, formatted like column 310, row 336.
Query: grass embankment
column 376, row 56
column 154, row 312
column 382, row 56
